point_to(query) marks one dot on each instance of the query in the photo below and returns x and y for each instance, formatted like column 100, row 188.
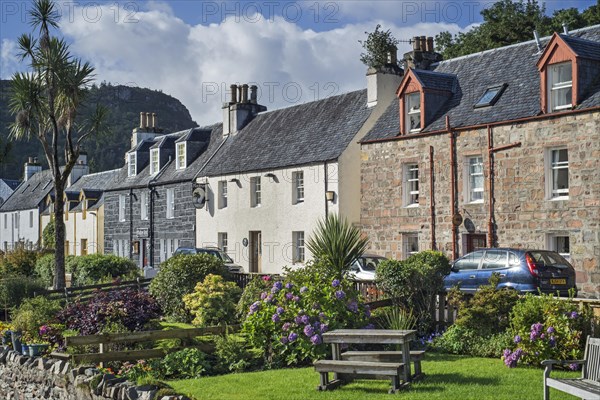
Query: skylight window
column 491, row 96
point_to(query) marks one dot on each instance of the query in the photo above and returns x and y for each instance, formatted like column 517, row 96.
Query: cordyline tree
column 46, row 101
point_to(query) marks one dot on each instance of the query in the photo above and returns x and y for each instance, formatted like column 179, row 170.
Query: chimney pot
column 154, row 121
column 423, row 40
column 244, row 93
column 142, row 120
column 393, row 55
column 253, row 94
column 416, row 43
column 148, row 120
column 233, row 88
column 240, row 93
column 30, row 160
column 565, row 28
column 430, row 44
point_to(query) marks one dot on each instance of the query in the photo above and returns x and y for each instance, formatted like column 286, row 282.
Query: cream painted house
column 276, row 174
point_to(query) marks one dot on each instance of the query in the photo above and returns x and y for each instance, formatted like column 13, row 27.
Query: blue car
column 527, row 271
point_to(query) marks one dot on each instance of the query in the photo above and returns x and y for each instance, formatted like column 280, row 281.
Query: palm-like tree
column 46, row 101
column 337, row 243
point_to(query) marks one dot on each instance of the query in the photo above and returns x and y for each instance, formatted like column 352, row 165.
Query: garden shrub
column 288, row 320
column 177, row 277
column 45, row 266
column 131, row 308
column 19, row 261
column 48, row 235
column 545, row 327
column 213, row 301
column 16, row 288
column 251, row 293
column 94, row 268
column 415, row 282
column 187, row 363
column 461, row 340
column 233, row 355
column 32, row 314
column 394, row 317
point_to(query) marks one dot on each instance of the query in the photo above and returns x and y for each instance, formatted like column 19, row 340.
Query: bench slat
column 577, row 387
column 382, row 356
column 358, row 367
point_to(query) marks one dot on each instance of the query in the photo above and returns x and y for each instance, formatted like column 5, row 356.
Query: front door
column 255, row 251
column 474, row 242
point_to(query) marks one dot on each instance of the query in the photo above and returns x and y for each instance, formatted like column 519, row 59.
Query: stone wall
column 524, row 215
column 24, row 378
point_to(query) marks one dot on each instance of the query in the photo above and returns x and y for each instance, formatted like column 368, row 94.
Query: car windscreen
column 226, row 257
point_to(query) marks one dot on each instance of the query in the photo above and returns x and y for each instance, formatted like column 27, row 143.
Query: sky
column 294, row 51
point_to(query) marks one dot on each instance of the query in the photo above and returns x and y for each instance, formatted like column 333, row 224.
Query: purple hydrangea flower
column 289, row 285
column 369, row 326
column 309, row 330
column 573, row 367
column 298, row 319
column 280, row 310
column 254, row 307
column 353, row 306
column 284, row 340
column 292, row 336
column 277, row 286
column 295, row 299
column 289, row 296
column 574, row 315
column 305, row 319
column 550, row 329
column 322, row 315
column 511, row 359
column 315, row 339
column 324, row 328
column 517, row 339
column 263, row 295
column 552, row 341
column 286, row 326
column 303, row 289
column 536, row 331
column 335, row 283
column 340, row 294
column 276, row 318
column 269, row 299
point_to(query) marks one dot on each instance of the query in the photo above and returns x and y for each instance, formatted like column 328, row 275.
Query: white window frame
column 559, row 242
column 411, row 184
column 144, row 206
column 223, row 241
column 222, row 187
column 122, row 206
column 154, row 161
column 471, row 175
column 554, row 88
column 255, row 191
column 131, row 164
column 298, row 246
column 552, row 169
column 170, row 203
column 409, row 112
column 410, row 244
column 181, row 156
column 298, row 187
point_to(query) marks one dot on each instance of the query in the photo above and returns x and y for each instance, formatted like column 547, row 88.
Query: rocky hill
column 106, row 152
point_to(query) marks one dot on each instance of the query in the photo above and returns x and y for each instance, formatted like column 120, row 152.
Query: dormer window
column 154, row 164
column 412, row 104
column 560, row 86
column 181, row 158
column 131, row 170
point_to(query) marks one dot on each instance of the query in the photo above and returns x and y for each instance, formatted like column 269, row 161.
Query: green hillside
column 106, row 152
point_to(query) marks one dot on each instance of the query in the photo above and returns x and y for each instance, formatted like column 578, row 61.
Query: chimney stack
column 236, row 114
column 31, row 167
column 383, row 81
column 148, row 128
column 423, row 53
column 79, row 169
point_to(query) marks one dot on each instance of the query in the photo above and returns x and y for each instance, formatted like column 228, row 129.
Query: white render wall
column 26, row 230
column 276, row 218
column 77, row 228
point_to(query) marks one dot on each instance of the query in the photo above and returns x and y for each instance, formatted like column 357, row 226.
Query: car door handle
column 502, row 275
column 472, row 276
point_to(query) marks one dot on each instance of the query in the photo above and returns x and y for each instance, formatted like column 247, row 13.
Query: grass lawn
column 448, row 377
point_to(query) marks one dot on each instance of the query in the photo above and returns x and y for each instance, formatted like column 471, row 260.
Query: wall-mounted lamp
column 330, row 195
column 234, row 180
column 270, row 175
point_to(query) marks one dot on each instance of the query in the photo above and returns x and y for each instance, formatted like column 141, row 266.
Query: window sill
column 562, row 108
column 559, row 198
column 474, row 202
column 414, row 205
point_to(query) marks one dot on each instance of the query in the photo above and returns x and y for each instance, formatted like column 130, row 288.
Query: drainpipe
column 326, row 189
column 130, row 223
column 151, row 223
column 432, row 196
column 452, row 186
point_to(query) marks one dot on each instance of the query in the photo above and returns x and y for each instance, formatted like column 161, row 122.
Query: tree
column 46, row 101
column 377, row 45
column 337, row 243
column 508, row 22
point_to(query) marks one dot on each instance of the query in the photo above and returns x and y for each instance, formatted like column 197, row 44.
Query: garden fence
column 101, row 342
column 84, row 293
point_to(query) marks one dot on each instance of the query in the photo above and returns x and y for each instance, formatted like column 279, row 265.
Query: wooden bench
column 391, row 370
column 416, row 356
column 586, row 387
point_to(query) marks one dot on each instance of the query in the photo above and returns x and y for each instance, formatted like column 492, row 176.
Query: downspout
column 130, row 223
column 432, row 196
column 490, row 172
column 326, row 189
column 151, row 223
column 452, row 186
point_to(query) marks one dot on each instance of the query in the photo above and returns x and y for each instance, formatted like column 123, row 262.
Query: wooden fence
column 103, row 340
column 84, row 293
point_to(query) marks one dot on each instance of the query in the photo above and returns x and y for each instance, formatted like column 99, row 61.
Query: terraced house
column 498, row 148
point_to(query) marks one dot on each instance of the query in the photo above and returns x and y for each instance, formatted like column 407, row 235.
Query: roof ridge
column 533, row 41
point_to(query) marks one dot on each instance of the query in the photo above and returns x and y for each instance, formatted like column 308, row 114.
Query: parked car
column 523, row 270
column 364, row 267
column 213, row 251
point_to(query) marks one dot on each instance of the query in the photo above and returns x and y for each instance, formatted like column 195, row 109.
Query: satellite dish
column 199, row 197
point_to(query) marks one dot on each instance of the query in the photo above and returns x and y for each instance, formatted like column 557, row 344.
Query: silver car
column 213, row 251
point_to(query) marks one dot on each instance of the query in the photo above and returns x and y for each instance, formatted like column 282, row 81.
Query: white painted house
column 276, row 174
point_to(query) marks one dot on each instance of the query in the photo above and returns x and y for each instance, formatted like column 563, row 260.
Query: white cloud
column 197, row 63
column 9, row 61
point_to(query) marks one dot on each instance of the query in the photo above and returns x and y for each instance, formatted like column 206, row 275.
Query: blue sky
column 295, row 51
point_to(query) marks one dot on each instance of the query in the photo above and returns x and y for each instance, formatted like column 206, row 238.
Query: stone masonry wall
column 25, row 378
column 525, row 217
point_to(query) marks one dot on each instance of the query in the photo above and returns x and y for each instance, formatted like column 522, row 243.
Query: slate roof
column 582, row 47
column 11, row 183
column 307, row 133
column 29, row 194
column 438, row 81
column 98, row 181
column 514, row 65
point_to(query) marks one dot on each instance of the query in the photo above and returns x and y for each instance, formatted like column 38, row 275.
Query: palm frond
column 43, row 15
